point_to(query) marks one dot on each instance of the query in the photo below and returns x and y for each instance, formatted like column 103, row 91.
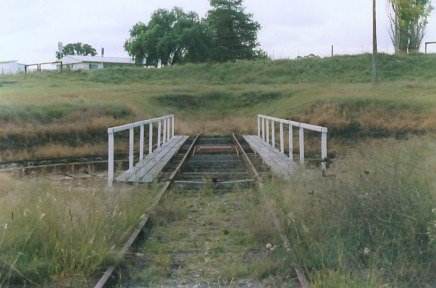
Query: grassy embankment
column 45, row 115
column 376, row 202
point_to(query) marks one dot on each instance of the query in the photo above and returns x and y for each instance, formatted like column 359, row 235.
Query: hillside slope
column 64, row 114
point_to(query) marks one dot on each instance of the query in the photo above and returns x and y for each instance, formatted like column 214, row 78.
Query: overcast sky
column 31, row 29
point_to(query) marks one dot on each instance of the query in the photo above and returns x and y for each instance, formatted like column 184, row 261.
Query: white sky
column 31, row 29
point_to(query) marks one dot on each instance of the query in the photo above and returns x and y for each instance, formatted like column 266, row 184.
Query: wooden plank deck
column 280, row 164
column 148, row 168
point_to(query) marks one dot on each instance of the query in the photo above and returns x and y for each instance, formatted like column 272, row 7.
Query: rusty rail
column 143, row 220
column 270, row 207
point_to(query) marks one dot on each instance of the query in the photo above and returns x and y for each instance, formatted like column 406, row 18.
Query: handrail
column 267, row 123
column 164, row 134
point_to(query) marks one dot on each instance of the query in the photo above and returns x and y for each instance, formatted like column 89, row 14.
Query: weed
column 374, row 216
column 57, row 231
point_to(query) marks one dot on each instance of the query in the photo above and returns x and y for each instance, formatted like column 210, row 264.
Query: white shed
column 79, row 62
column 11, row 67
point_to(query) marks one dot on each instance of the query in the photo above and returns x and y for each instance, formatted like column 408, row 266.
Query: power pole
column 374, row 41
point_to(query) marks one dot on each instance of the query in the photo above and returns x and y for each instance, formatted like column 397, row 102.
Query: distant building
column 11, row 67
column 78, row 62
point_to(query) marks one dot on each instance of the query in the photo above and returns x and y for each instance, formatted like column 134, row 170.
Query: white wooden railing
column 265, row 124
column 165, row 131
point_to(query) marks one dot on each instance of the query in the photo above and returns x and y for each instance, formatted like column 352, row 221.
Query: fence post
column 301, row 141
column 258, row 126
column 141, row 143
column 131, row 146
column 282, row 144
column 324, row 150
column 291, row 142
column 159, row 128
column 110, row 156
column 172, row 126
column 150, row 138
column 267, row 131
column 273, row 134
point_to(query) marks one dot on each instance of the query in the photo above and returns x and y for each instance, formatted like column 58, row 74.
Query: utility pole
column 374, row 41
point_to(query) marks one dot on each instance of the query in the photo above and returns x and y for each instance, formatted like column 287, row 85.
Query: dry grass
column 369, row 119
column 216, row 125
column 61, row 127
column 63, row 232
column 369, row 223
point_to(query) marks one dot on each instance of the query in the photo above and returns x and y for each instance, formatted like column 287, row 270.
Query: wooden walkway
column 280, row 164
column 147, row 169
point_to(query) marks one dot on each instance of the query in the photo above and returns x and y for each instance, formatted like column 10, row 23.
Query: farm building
column 11, row 67
column 79, row 62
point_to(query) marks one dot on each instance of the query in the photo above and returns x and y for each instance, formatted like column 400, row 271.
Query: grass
column 371, row 223
column 73, row 109
column 63, row 233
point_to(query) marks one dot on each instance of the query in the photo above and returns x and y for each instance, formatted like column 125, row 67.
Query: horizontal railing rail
column 266, row 124
column 165, row 131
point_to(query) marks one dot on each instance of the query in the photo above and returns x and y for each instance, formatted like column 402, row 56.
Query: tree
column 76, row 49
column 408, row 19
column 234, row 31
column 170, row 37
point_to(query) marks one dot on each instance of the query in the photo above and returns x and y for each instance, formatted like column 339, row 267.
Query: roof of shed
column 70, row 59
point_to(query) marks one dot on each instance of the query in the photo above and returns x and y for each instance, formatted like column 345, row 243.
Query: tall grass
column 371, row 224
column 57, row 233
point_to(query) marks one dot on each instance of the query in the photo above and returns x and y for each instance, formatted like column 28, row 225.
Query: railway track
column 211, row 180
column 88, row 165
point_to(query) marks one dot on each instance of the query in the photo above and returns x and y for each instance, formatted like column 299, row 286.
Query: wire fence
column 337, row 50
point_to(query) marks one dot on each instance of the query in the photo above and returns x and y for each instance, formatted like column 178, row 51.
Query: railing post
column 291, row 142
column 263, row 129
column 301, row 141
column 169, row 128
column 267, row 131
column 141, row 143
column 164, row 139
column 282, row 144
column 131, row 146
column 150, row 138
column 110, row 156
column 258, row 126
column 172, row 126
column 159, row 128
column 324, row 150
column 273, row 134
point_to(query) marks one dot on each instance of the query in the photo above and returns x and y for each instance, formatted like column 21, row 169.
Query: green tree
column 76, row 49
column 408, row 19
column 170, row 37
column 234, row 31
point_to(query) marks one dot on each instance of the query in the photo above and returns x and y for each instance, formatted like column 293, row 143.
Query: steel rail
column 55, row 165
column 144, row 219
column 270, row 207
